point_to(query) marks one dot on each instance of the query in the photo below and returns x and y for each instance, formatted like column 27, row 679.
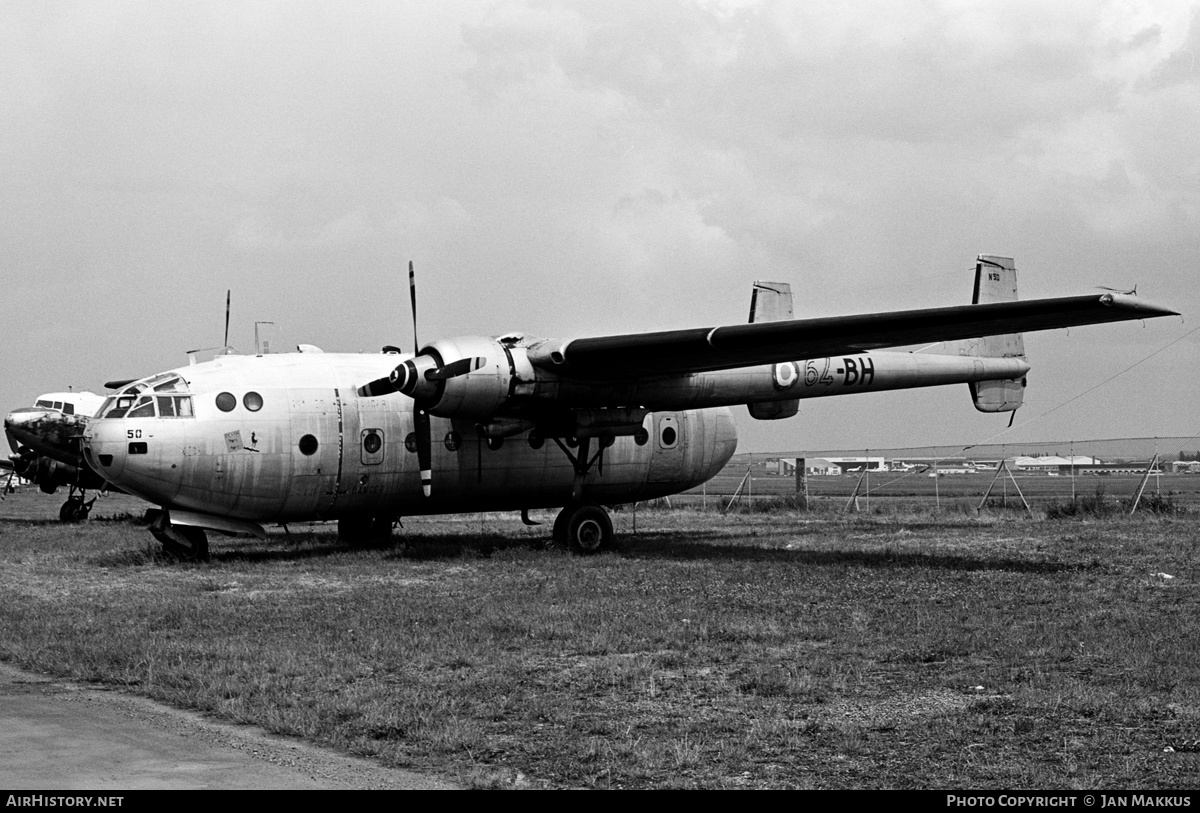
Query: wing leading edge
column 720, row 348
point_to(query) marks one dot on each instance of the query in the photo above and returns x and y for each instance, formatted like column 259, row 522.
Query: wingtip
column 1142, row 306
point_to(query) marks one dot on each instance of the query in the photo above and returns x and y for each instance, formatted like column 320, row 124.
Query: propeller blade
column 228, row 292
column 380, row 386
column 412, row 295
column 424, row 448
column 455, row 369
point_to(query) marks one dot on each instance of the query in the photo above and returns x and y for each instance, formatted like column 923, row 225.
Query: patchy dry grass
column 767, row 650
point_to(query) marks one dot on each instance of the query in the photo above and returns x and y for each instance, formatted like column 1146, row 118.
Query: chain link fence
column 1067, row 476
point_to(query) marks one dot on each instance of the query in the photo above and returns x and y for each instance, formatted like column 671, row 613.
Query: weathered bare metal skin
column 250, row 464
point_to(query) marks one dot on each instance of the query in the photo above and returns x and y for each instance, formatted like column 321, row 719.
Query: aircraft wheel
column 183, row 542
column 588, row 529
column 74, row 510
column 558, row 536
column 365, row 531
column 354, row 529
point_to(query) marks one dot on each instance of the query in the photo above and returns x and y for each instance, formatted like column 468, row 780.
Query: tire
column 558, row 537
column 73, row 510
column 184, row 542
column 365, row 532
column 589, row 530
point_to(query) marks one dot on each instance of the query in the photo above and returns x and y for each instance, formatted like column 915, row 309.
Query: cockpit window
column 149, row 398
column 174, row 406
column 168, row 383
column 116, row 406
column 42, row 402
column 144, row 408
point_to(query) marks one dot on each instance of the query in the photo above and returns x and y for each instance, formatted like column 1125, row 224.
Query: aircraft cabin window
column 372, row 442
column 308, row 445
column 253, row 401
column 226, row 402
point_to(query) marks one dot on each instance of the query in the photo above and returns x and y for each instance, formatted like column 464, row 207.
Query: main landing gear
column 180, row 541
column 581, row 526
column 365, row 531
column 584, row 528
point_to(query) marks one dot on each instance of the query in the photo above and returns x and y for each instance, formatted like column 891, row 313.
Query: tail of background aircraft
column 995, row 281
column 772, row 302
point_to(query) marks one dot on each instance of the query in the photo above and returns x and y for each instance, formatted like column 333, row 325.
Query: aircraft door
column 668, row 442
column 315, row 429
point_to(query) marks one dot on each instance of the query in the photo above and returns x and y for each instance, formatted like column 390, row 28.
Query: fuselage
column 279, row 438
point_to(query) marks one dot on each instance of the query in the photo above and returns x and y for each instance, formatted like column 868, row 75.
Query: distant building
column 1054, row 464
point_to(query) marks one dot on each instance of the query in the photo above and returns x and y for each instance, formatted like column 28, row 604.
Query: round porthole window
column 453, row 441
column 410, row 441
column 308, row 445
column 372, row 442
column 226, row 402
column 669, row 436
column 252, row 401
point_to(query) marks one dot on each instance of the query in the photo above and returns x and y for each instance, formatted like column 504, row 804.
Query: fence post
column 802, row 479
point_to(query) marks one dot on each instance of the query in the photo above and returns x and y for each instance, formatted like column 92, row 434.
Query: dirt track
column 57, row 736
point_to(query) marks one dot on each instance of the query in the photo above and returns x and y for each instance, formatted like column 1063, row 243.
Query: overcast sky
column 584, row 168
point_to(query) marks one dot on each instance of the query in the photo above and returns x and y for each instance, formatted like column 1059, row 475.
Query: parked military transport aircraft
column 45, row 439
column 515, row 423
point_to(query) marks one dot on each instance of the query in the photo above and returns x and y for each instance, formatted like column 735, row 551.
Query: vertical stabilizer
column 995, row 281
column 772, row 302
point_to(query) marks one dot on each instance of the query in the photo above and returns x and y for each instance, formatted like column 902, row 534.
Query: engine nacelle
column 49, row 474
column 475, row 395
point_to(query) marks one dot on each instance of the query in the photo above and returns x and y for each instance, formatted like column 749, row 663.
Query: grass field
column 897, row 648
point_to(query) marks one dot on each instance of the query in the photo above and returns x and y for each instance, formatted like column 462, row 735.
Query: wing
column 721, row 348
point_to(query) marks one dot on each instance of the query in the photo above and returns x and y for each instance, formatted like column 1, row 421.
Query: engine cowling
column 469, row 377
column 49, row 474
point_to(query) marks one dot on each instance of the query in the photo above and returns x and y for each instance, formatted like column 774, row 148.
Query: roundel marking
column 784, row 375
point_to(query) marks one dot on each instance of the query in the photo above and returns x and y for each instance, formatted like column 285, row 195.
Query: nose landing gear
column 76, row 508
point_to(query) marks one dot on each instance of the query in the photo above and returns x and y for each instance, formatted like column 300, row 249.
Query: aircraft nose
column 22, row 426
column 12, row 440
column 103, row 447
